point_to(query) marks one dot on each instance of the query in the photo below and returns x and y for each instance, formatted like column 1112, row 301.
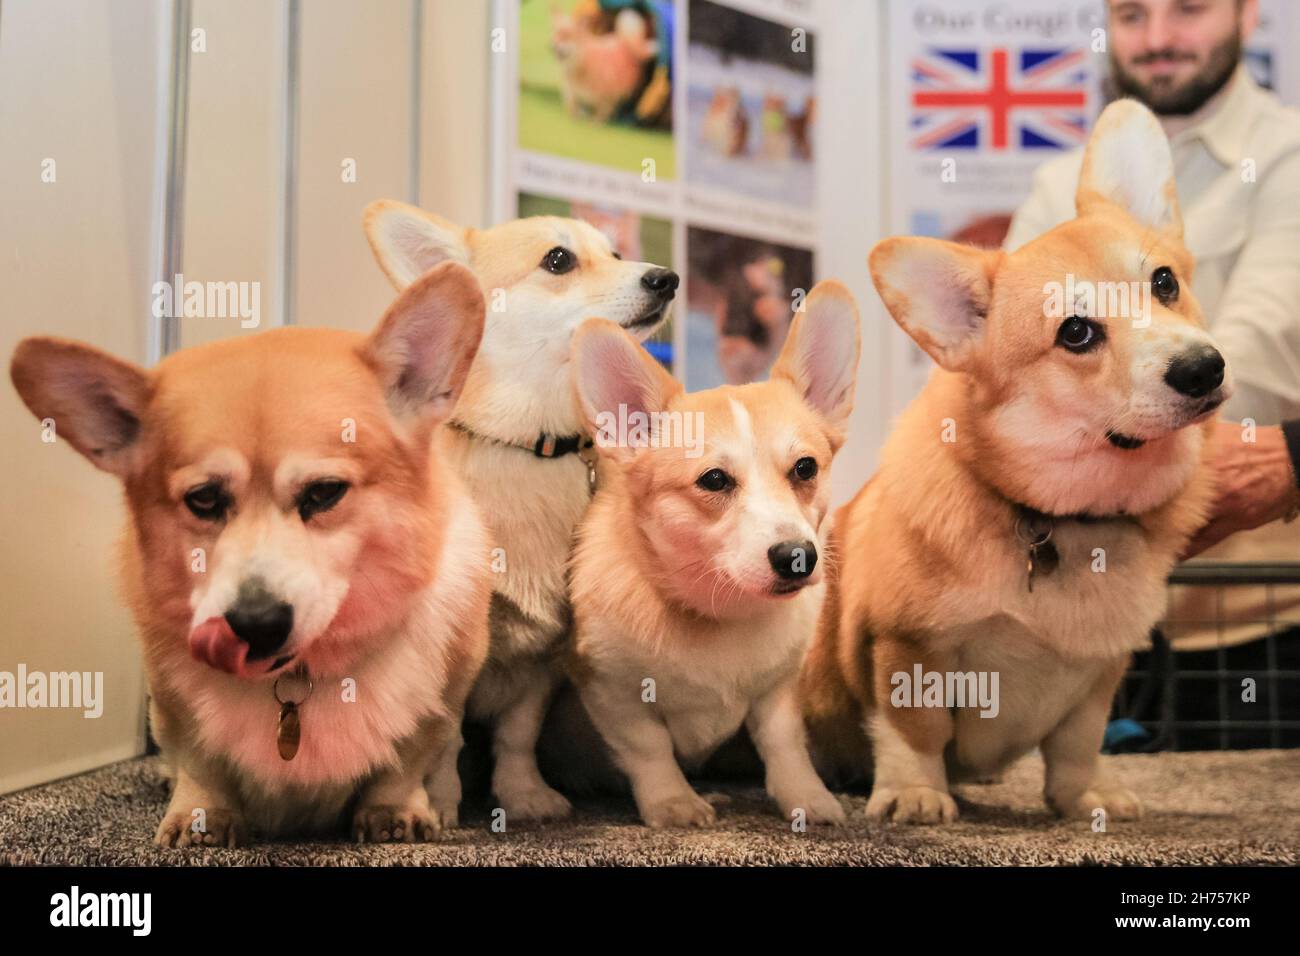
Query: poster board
column 715, row 175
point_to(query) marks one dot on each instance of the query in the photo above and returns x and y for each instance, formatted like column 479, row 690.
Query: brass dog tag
column 289, row 732
column 1035, row 530
column 1043, row 559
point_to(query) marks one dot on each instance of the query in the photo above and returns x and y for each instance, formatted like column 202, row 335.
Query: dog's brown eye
column 805, row 469
column 1165, row 285
column 1079, row 335
column 208, row 502
column 320, row 496
column 715, row 479
column 616, row 254
column 559, row 261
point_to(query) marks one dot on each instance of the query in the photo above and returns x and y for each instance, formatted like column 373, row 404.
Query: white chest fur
column 351, row 723
column 1048, row 646
column 531, row 506
column 704, row 683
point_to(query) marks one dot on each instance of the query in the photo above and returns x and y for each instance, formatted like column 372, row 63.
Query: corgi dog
column 602, row 58
column 725, row 126
column 309, row 577
column 1030, row 502
column 516, row 441
column 699, row 572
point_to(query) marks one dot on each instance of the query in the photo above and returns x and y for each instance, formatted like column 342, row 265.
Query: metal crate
column 1191, row 700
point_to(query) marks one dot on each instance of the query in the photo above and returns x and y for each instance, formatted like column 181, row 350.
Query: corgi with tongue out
column 310, row 580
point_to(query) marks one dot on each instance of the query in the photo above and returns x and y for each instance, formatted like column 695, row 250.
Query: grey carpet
column 1202, row 808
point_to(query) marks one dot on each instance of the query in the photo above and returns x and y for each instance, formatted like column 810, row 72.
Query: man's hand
column 1255, row 482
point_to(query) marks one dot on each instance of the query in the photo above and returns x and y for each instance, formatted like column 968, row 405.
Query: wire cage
column 1224, row 675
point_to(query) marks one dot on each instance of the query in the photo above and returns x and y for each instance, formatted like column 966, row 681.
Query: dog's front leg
column 200, row 814
column 910, row 783
column 776, row 727
column 516, row 781
column 643, row 749
column 443, row 785
column 907, row 743
column 394, row 805
column 1075, row 785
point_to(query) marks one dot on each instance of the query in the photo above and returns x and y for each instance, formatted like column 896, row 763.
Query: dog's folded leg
column 394, row 805
column 516, row 780
column 200, row 814
column 1075, row 785
column 776, row 727
column 911, row 786
column 643, row 749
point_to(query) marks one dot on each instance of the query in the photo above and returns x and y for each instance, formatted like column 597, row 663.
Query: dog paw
column 1119, row 803
column 220, row 828
column 683, row 810
column 447, row 815
column 818, row 808
column 911, row 805
column 538, row 802
column 391, row 824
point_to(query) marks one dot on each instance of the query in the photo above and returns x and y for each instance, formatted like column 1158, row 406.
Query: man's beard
column 1168, row 100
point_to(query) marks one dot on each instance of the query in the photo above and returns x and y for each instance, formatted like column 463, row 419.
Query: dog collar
column 546, row 446
column 1034, row 530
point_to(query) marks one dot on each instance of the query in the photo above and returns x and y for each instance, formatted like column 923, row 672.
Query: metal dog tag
column 1043, row 559
column 1035, row 530
column 289, row 732
column 588, row 458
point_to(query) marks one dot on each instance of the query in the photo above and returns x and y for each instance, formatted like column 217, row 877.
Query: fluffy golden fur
column 933, row 570
column 389, row 586
column 686, row 629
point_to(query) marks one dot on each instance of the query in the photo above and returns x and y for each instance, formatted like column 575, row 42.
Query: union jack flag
column 972, row 99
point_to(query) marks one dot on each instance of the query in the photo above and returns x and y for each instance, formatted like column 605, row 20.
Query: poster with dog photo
column 739, row 297
column 750, row 105
column 595, row 82
column 634, row 237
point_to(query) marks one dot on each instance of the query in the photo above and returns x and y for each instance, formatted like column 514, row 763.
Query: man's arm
column 1257, row 320
column 1258, row 481
column 1050, row 202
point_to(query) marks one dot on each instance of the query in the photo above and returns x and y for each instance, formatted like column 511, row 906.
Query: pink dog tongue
column 215, row 644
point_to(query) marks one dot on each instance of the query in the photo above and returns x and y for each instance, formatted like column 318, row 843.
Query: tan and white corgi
column 699, row 572
column 311, row 584
column 517, row 441
column 1031, row 500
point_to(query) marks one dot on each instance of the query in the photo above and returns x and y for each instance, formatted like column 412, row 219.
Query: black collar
column 1036, row 517
column 546, row 446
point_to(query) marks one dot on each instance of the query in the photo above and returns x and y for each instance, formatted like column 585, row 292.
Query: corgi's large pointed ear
column 1128, row 162
column 938, row 292
column 94, row 400
column 426, row 341
column 618, row 383
column 408, row 242
column 820, row 355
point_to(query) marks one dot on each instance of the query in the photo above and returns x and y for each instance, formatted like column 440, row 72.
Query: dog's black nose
column 260, row 619
column 1196, row 372
column 793, row 560
column 662, row 282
